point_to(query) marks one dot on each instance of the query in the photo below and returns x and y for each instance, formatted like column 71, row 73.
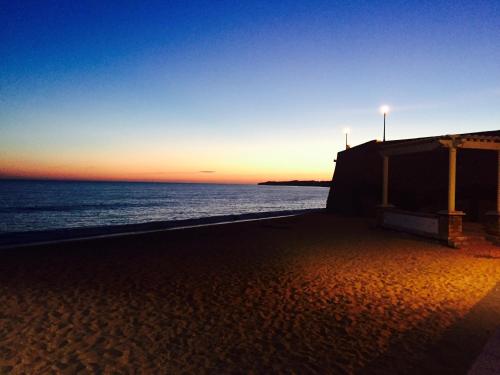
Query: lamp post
column 346, row 132
column 385, row 110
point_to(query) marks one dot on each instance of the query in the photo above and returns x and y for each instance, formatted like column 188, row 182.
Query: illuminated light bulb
column 384, row 109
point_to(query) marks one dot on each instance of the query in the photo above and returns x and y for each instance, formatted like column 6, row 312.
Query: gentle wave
column 82, row 207
column 47, row 205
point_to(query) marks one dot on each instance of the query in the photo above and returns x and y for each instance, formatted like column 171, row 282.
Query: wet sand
column 16, row 239
column 307, row 294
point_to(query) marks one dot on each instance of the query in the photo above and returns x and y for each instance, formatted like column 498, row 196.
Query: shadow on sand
column 453, row 353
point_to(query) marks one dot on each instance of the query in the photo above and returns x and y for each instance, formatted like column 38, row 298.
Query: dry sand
column 308, row 294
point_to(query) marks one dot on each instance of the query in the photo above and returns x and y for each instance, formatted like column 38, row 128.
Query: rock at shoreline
column 297, row 183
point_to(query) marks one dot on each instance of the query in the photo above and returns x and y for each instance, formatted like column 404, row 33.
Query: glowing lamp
column 384, row 109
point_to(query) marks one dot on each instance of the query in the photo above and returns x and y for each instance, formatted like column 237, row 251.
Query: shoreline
column 54, row 236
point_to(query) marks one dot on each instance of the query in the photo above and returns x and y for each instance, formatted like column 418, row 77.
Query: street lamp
column 385, row 110
column 346, row 131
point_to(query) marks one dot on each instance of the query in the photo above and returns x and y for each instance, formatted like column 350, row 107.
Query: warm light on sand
column 328, row 290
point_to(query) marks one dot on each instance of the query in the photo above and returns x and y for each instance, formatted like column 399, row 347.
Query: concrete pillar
column 493, row 218
column 450, row 221
column 385, row 182
column 452, row 177
column 498, row 182
column 450, row 227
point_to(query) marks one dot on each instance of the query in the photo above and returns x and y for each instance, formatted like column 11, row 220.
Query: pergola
column 450, row 221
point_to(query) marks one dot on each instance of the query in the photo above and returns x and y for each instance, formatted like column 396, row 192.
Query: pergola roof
column 479, row 141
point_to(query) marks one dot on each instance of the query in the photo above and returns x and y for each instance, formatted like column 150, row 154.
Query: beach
column 314, row 293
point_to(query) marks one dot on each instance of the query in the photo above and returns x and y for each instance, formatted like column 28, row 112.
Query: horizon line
column 48, row 179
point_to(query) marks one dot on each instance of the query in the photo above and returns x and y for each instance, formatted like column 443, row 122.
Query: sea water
column 45, row 205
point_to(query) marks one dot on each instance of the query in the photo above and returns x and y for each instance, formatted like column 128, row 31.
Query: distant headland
column 297, row 183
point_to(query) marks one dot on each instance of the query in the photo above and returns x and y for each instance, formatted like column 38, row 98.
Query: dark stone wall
column 356, row 183
column 417, row 182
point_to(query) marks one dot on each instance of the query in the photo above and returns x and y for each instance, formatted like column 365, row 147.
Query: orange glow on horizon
column 198, row 162
column 107, row 173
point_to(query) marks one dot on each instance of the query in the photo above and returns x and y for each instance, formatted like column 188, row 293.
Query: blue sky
column 252, row 90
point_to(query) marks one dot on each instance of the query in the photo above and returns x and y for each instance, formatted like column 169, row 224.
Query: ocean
column 27, row 206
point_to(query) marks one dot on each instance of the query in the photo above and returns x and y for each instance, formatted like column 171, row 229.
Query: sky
column 234, row 91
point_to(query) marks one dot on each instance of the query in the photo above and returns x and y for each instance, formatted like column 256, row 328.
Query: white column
column 498, row 183
column 452, row 177
column 385, row 182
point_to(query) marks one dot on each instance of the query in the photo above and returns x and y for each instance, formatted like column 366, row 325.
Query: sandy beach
column 313, row 293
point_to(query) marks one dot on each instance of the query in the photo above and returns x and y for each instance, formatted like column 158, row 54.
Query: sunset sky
column 234, row 91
